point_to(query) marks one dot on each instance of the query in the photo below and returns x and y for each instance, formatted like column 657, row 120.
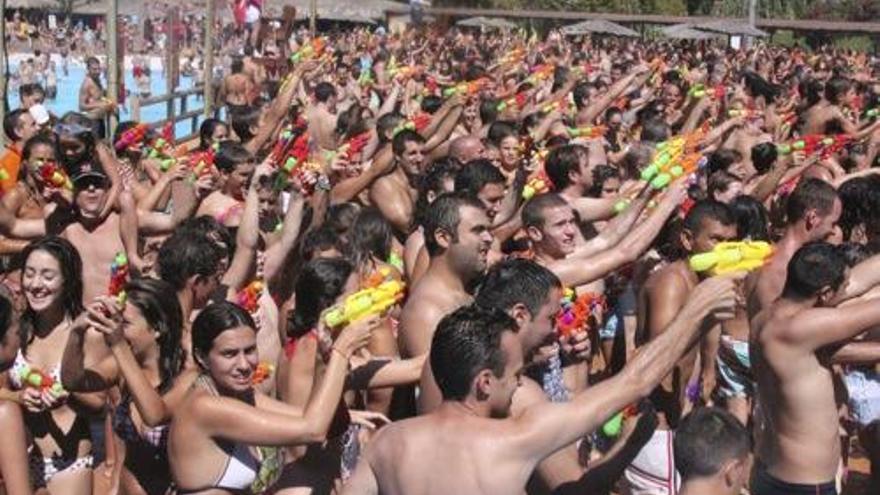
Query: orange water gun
column 366, row 302
column 576, row 312
column 469, row 88
column 402, row 72
column 55, row 176
column 262, row 373
column 512, row 57
column 589, row 132
column 36, row 378
column 310, row 50
column 248, row 298
column 540, row 73
column 674, row 158
column 132, row 136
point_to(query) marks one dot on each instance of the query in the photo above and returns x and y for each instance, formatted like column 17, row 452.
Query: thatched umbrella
column 598, row 26
column 486, row 23
column 686, row 32
column 731, row 28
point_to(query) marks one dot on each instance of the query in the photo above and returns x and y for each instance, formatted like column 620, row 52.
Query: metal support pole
column 209, row 59
column 112, row 58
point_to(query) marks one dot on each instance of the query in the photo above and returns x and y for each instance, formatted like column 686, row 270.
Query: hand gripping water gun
column 469, row 88
column 417, row 123
column 538, row 183
column 612, row 427
column 118, row 277
column 365, row 302
column 312, row 49
column 576, row 311
column 201, row 162
column 673, row 159
column 248, row 298
column 54, row 175
column 734, row 256
column 589, row 132
column 132, row 136
column 518, row 100
column 35, row 378
column 309, row 174
column 351, row 149
column 700, row 90
column 262, row 373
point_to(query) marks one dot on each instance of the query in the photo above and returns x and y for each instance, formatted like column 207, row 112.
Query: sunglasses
column 90, row 181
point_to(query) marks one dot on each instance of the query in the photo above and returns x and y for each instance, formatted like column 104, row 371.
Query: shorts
column 613, row 325
column 43, row 469
column 864, row 395
column 763, row 483
column 734, row 369
column 652, row 472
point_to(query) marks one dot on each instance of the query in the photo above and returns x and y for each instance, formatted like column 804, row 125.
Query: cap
column 87, row 169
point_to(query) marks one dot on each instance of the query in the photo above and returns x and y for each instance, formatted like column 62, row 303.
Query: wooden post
column 3, row 65
column 209, row 59
column 313, row 16
column 112, row 58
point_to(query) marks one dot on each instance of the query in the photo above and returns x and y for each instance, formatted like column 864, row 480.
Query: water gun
column 405, row 72
column 732, row 256
column 35, row 378
column 674, row 158
column 514, row 56
column 132, row 136
column 589, row 132
column 312, row 49
column 377, row 278
column 118, row 277
column 365, row 302
column 248, row 298
column 263, row 372
column 201, row 162
column 540, row 73
column 469, row 88
column 613, row 426
column 742, row 112
column 365, row 78
column 353, row 147
column 872, row 113
column 813, row 143
column 54, row 175
column 700, row 90
column 417, row 123
column 788, row 121
column 537, row 184
column 395, row 260
column 576, row 311
column 4, row 175
column 560, row 104
column 518, row 100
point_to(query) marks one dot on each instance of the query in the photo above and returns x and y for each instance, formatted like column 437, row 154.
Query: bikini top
column 124, row 426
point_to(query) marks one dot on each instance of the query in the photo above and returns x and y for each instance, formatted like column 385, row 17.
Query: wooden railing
column 171, row 109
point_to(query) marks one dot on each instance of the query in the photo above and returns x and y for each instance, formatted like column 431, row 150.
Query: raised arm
column 549, row 427
column 820, row 327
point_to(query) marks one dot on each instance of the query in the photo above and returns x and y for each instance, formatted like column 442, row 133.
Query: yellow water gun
column 733, row 256
column 366, row 302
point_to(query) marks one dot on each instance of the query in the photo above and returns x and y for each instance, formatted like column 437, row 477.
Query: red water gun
column 55, row 176
column 815, row 143
column 576, row 311
column 118, row 277
column 132, row 136
column 518, row 101
column 262, row 373
column 248, row 298
column 355, row 145
column 469, row 88
column 589, row 132
column 296, row 165
column 201, row 162
column 417, row 123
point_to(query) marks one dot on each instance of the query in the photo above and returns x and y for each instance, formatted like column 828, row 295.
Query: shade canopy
column 687, row 32
column 731, row 27
column 486, row 22
column 598, row 26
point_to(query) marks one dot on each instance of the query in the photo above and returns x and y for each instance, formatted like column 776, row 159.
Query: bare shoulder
column 527, row 395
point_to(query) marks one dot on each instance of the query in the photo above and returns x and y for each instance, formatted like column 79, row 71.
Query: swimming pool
column 67, row 98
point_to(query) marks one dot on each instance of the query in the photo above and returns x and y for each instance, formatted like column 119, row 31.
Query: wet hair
column 11, row 121
column 533, row 212
column 655, row 130
column 853, row 253
column 243, row 120
column 324, row 91
column 811, row 91
column 720, row 182
column 813, row 267
column 26, row 90
column 516, row 281
column 758, row 86
column 42, row 138
column 706, row 439
column 214, row 320
column 500, row 130
column 860, row 198
column 317, row 240
column 764, row 155
column 185, row 254
column 157, row 302
column 722, row 160
column 752, row 218
column 206, row 131
column 386, row 123
column 468, row 341
column 433, row 181
column 445, row 214
column 398, row 144
column 351, row 121
column 601, row 174
column 477, row 174
column 562, row 161
column 231, row 154
column 340, row 219
column 237, row 65
column 707, row 209
column 810, row 194
column 213, row 230
column 430, row 104
column 371, row 237
column 319, row 284
column 836, row 88
column 488, row 111
column 581, row 94
column 70, row 267
column 7, row 312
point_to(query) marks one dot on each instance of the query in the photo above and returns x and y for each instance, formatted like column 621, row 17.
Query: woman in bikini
column 13, row 449
column 145, row 361
column 61, row 454
column 218, row 426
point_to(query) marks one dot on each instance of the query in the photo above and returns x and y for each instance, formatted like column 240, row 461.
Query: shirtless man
column 395, row 192
column 322, row 116
column 812, row 210
column 92, row 97
column 713, row 453
column 478, row 361
column 839, row 92
column 467, row 148
column 458, row 239
column 797, row 423
column 253, row 69
column 661, row 298
column 237, row 88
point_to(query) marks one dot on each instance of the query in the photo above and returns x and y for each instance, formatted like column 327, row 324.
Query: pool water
column 67, row 98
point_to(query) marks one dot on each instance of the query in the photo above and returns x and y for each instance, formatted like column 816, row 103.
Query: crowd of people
column 438, row 262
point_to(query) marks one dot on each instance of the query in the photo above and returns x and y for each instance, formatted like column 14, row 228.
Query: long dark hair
column 157, row 302
column 212, row 321
column 320, row 283
column 70, row 265
column 371, row 237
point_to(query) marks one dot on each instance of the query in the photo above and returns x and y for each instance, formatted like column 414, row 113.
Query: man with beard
column 458, row 240
column 469, row 445
column 92, row 96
